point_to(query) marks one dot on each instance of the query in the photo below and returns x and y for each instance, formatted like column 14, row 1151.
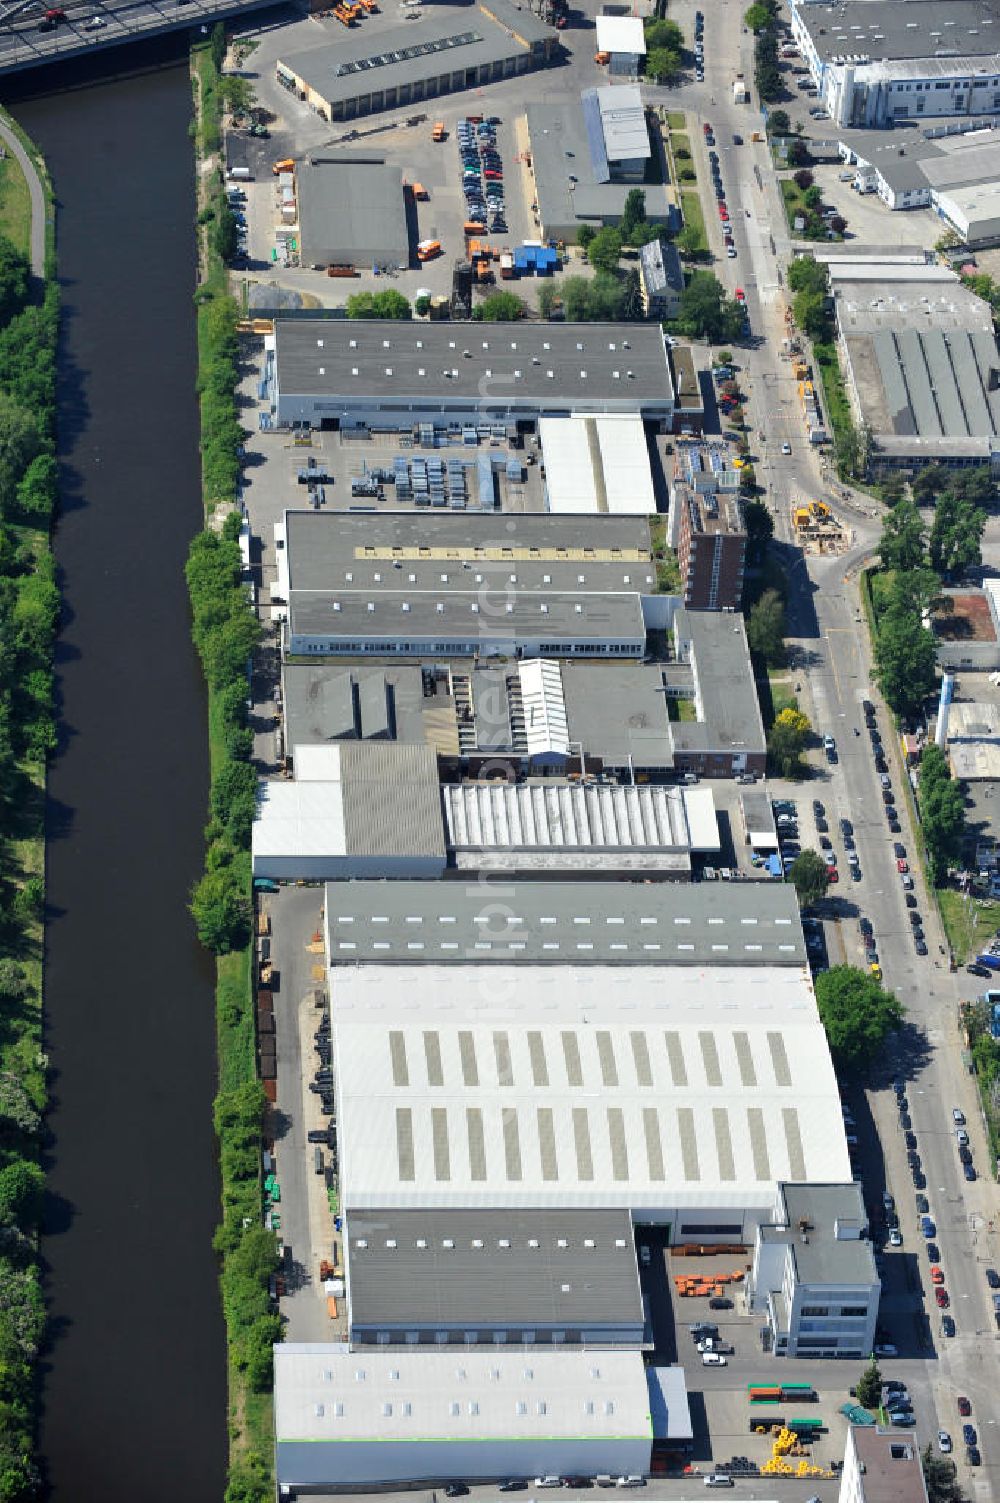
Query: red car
column 964, row 1407
column 941, row 1295
column 707, row 128
column 740, row 295
column 937, row 1274
column 723, row 213
column 832, row 874
column 492, row 172
column 902, row 866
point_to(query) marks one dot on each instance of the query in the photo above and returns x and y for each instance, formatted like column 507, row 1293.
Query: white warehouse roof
column 324, row 1392
column 621, row 34
column 597, row 464
column 581, row 1085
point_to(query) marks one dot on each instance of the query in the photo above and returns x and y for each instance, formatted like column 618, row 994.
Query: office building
column 882, row 1466
column 707, row 527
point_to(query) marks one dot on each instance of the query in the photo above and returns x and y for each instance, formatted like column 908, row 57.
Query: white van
column 548, row 1482
column 719, row 1479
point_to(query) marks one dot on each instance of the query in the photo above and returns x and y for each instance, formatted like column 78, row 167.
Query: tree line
column 29, row 618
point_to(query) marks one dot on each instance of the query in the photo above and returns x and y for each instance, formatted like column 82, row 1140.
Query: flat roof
column 382, row 57
column 821, row 1256
column 597, row 464
column 730, row 718
column 560, row 144
column 668, row 1403
column 479, row 1267
column 880, row 30
column 333, row 701
column 411, row 923
column 621, row 34
column 351, row 206
column 325, row 1392
column 353, row 799
column 619, row 714
column 580, row 1086
column 461, row 363
column 623, row 118
column 892, row 1468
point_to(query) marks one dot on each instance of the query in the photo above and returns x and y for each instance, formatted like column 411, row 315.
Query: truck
column 438, row 132
column 741, row 94
column 287, row 164
column 428, row 249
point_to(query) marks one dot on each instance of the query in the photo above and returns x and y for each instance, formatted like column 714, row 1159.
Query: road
column 23, row 45
column 36, row 195
column 829, row 646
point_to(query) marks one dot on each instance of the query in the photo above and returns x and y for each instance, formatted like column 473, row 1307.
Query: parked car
column 713, row 1359
column 886, row 1349
column 969, row 1435
column 993, row 1278
column 944, row 1442
column 947, row 1326
column 895, row 1237
column 937, row 1274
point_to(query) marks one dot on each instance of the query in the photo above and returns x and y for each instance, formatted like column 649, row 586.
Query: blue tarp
column 774, row 866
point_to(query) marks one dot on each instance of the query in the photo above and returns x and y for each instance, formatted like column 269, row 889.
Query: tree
column 838, row 224
column 804, row 179
column 237, row 93
column 927, row 485
column 813, row 197
column 901, row 546
column 906, row 659
column 37, row 490
column 422, row 305
column 786, row 742
column 22, row 1185
column 605, row 250
column 633, row 213
column 760, row 529
column 502, row 307
column 807, row 275
column 19, row 443
column 956, row 534
column 757, row 17
column 14, row 274
column 585, row 235
column 870, row 1386
column 766, row 628
column 17, row 1110
column 811, row 315
column 220, row 905
column 942, row 812
column 809, row 876
column 797, row 154
column 941, row 1477
column 663, row 65
column 778, row 123
column 632, row 296
column 224, row 236
column 667, row 34
column 386, row 304
column 857, row 1013
column 689, row 241
column 706, row 311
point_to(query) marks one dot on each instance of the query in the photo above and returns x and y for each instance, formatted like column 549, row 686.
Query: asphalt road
column 23, row 45
column 36, row 196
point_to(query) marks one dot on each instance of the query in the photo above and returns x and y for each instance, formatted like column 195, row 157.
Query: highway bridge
column 35, row 32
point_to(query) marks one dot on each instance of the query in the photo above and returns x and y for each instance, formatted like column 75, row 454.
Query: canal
column 134, row 1381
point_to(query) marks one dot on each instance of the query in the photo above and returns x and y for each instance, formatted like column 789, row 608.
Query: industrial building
column 401, row 584
column 707, row 530
column 585, row 159
column 440, row 52
column 661, row 279
column 597, row 464
column 875, row 63
column 353, row 810
column 966, row 624
column 394, row 377
column 814, row 1276
column 350, row 1420
column 921, row 364
column 882, row 1466
column 953, row 170
column 486, row 1277
column 351, row 211
column 973, row 744
column 624, row 41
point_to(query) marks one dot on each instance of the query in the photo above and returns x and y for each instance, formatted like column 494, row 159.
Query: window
column 815, row 1310
column 713, row 1229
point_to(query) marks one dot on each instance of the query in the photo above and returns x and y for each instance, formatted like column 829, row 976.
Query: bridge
column 32, row 35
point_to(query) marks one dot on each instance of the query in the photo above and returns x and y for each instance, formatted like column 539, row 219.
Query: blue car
column 927, row 1227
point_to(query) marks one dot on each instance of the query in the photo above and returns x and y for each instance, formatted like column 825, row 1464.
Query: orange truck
column 439, row 133
column 428, row 249
column 420, row 192
column 287, row 164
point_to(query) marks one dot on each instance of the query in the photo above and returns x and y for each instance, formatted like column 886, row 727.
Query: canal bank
column 134, row 1400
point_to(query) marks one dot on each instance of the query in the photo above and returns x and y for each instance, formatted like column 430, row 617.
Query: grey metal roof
column 623, row 122
column 561, row 145
column 351, row 207
column 880, row 29
column 439, row 43
column 552, row 818
column 473, row 1268
column 391, row 799
column 660, row 266
column 330, row 702
column 725, row 685
column 527, row 365
column 413, row 923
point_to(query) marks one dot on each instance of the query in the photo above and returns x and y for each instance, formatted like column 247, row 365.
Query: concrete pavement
column 36, row 194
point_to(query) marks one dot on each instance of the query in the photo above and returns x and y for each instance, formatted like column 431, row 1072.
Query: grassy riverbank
column 225, row 632
column 29, row 614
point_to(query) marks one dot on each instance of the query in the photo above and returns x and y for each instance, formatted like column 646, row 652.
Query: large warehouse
column 648, row 1049
column 921, row 364
column 350, row 1420
column 597, row 464
column 351, row 211
column 441, row 50
column 875, row 63
column 389, row 376
column 406, row 584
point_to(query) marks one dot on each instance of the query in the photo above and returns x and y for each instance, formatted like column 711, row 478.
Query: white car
column 712, row 1359
column 886, row 1350
column 731, row 252
column 958, row 1116
column 95, row 23
column 786, row 448
column 895, row 1237
column 944, row 1442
